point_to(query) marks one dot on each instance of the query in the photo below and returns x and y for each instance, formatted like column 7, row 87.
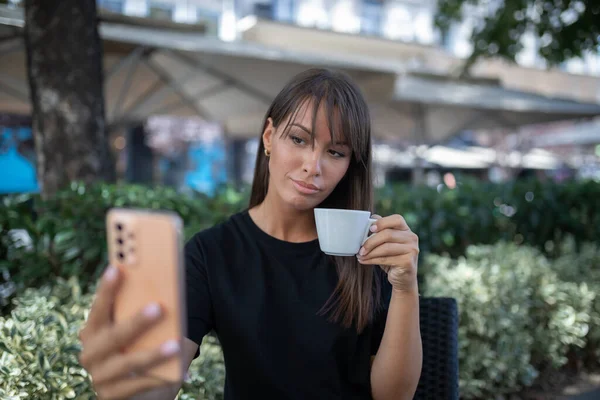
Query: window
column 263, row 10
column 210, row 19
column 111, row 5
column 371, row 17
column 344, row 17
column 399, row 22
column 162, row 11
column 313, row 13
column 283, row 10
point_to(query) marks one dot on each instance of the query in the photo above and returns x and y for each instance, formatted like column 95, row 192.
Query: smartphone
column 147, row 248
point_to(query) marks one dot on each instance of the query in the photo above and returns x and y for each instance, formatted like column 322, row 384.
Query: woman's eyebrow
column 301, row 127
column 305, row 129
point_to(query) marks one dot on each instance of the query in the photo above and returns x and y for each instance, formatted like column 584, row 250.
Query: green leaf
column 71, row 253
column 64, row 236
column 61, row 319
column 3, row 347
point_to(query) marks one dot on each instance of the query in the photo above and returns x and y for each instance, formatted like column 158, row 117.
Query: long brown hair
column 355, row 299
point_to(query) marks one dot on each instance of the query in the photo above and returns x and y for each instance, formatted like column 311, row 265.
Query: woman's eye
column 297, row 140
column 336, row 153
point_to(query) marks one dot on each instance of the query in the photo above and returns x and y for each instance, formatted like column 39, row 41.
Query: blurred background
column 486, row 124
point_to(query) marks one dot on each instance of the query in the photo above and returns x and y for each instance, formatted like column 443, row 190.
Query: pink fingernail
column 373, row 228
column 110, row 274
column 152, row 310
column 169, row 348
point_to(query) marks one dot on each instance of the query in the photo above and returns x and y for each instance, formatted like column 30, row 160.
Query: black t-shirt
column 262, row 297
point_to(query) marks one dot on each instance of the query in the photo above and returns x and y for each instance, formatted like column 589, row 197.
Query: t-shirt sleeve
column 381, row 314
column 199, row 306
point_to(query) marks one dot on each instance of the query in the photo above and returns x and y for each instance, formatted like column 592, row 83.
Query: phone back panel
column 146, row 246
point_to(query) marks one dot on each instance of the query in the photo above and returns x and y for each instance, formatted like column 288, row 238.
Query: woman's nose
column 312, row 163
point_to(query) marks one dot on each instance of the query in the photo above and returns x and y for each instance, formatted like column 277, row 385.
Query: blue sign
column 208, row 166
column 17, row 161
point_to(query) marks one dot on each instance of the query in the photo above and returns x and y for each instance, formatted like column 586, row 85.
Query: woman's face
column 302, row 175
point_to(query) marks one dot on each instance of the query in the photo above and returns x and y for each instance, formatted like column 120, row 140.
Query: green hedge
column 583, row 267
column 520, row 313
column 539, row 214
column 548, row 314
column 68, row 231
column 40, row 347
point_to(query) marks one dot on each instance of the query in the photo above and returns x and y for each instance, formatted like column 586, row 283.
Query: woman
column 292, row 322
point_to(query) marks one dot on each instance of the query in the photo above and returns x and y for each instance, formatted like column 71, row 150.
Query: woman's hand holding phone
column 114, row 373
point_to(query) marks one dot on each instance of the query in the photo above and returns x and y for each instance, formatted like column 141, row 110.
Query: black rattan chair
column 439, row 333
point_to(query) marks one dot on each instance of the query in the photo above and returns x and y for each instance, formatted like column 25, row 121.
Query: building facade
column 408, row 21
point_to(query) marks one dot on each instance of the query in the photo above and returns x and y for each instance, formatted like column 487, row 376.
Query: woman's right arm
column 115, row 375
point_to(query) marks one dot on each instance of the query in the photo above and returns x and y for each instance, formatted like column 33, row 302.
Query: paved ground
column 584, row 386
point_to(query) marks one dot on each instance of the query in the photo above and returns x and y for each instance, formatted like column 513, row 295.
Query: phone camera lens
column 120, row 241
column 119, row 227
column 121, row 256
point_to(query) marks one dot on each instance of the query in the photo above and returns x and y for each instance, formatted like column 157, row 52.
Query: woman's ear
column 268, row 134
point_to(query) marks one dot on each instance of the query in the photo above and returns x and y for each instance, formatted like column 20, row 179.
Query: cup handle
column 368, row 230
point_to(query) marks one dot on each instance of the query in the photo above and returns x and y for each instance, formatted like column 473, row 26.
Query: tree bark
column 64, row 63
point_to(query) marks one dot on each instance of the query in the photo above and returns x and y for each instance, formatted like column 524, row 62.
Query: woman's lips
column 305, row 188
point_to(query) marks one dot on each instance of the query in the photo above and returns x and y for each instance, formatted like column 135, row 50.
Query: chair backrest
column 439, row 333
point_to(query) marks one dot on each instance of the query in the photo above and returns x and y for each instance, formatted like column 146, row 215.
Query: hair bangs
column 353, row 121
column 345, row 120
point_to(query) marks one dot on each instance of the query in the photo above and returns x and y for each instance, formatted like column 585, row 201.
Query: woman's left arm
column 396, row 368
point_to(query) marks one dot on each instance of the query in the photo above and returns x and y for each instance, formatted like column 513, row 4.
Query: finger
column 382, row 261
column 101, row 311
column 123, row 365
column 376, row 216
column 127, row 388
column 386, row 252
column 395, row 221
column 113, row 339
column 386, row 236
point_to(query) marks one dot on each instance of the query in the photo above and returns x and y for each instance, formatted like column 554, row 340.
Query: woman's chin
column 302, row 203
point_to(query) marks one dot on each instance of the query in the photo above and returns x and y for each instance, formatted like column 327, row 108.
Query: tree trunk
column 64, row 63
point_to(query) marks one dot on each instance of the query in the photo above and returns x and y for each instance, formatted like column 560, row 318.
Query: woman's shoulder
column 221, row 233
column 222, row 244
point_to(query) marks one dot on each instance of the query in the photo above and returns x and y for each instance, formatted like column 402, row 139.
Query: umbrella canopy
column 153, row 68
column 443, row 106
column 150, row 71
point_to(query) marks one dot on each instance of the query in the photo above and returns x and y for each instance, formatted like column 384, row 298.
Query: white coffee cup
column 342, row 232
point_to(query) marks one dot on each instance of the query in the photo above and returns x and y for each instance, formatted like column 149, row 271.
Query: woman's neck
column 284, row 223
